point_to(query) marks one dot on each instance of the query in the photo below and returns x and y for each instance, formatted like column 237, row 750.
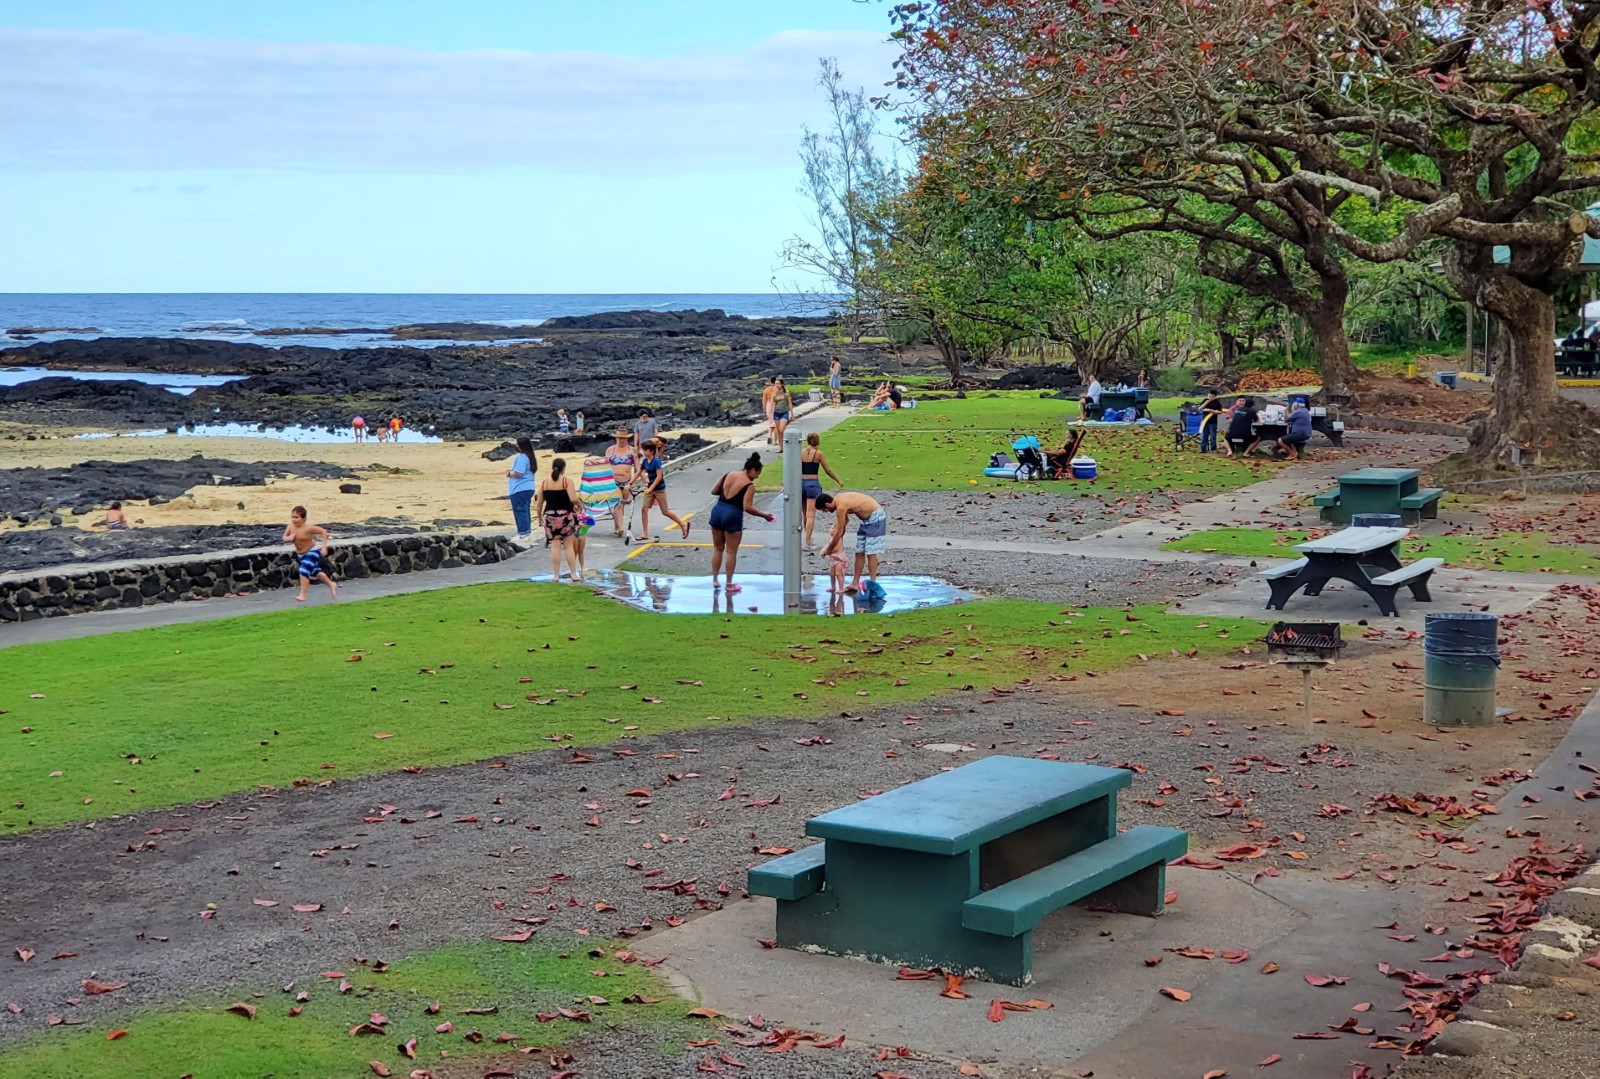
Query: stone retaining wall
column 76, row 589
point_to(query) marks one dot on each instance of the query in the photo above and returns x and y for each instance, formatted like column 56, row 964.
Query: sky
column 413, row 145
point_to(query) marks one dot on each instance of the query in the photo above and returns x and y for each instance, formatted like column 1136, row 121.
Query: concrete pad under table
column 1109, row 1014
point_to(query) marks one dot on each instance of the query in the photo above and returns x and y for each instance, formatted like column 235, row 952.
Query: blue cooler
column 1084, row 468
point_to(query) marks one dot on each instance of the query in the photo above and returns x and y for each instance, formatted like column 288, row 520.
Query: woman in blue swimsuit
column 811, row 460
column 736, row 496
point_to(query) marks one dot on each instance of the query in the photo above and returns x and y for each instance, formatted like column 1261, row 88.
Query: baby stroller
column 1030, row 458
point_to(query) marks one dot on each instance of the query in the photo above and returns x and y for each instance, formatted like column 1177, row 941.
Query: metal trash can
column 1375, row 520
column 1461, row 656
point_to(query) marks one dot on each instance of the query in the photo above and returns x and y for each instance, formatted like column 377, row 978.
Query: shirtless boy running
column 308, row 552
column 872, row 534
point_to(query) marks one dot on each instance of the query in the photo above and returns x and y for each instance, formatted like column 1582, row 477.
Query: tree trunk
column 1325, row 320
column 1526, row 397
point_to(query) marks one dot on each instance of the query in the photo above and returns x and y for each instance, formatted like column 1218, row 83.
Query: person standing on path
column 598, row 488
column 836, row 380
column 1210, row 419
column 624, row 461
column 310, row 553
column 812, row 459
column 769, row 394
column 645, row 429
column 519, row 487
column 654, row 471
column 560, row 507
column 736, row 496
column 872, row 534
column 782, row 409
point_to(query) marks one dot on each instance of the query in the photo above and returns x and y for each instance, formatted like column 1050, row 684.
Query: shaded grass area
column 129, row 721
column 203, row 1038
column 945, row 445
column 1522, row 552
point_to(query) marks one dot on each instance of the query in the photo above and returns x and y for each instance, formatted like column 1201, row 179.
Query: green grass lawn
column 128, row 721
column 945, row 445
column 203, row 1038
column 1525, row 552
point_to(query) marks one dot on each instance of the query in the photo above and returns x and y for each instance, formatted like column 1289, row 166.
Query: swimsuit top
column 735, row 500
column 556, row 499
column 621, row 459
column 809, row 468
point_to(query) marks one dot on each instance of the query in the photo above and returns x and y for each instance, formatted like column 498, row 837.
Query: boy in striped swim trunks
column 872, row 533
column 309, row 556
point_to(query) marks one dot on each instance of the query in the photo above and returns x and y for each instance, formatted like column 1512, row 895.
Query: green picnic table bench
column 1379, row 490
column 955, row 871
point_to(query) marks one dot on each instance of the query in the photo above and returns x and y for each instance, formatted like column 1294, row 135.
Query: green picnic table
column 1379, row 490
column 955, row 871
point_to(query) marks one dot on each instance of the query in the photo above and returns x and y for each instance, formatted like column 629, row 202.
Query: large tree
column 846, row 179
column 1464, row 118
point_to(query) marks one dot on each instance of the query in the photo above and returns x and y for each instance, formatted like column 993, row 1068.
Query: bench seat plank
column 1423, row 496
column 1326, row 498
column 959, row 810
column 793, row 876
column 1017, row 907
column 1288, row 569
column 1407, row 572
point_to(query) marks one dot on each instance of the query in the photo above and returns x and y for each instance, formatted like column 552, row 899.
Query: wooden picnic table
column 956, row 870
column 1352, row 554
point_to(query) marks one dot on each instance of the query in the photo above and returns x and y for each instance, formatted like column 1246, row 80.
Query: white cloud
column 128, row 100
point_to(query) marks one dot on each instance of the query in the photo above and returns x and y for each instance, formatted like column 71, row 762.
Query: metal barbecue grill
column 1320, row 639
column 1304, row 647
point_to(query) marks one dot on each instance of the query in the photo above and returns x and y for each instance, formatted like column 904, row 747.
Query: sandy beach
column 419, row 483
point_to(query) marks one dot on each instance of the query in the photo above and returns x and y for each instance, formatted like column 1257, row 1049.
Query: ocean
column 236, row 316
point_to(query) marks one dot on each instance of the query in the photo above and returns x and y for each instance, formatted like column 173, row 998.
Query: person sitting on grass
column 1241, row 429
column 1299, row 432
column 310, row 553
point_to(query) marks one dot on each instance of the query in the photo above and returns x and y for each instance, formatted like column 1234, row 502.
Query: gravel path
column 1039, row 514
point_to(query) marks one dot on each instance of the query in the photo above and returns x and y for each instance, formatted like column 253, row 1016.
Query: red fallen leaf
column 518, row 938
column 889, row 1075
column 1270, row 1061
column 365, row 1028
column 246, row 1010
column 997, row 1011
column 1215, row 1073
column 1196, row 863
column 445, row 1027
column 701, row 1043
column 773, row 943
column 952, row 987
column 113, row 1035
column 831, row 1043
column 1269, row 968
column 94, row 988
column 25, row 954
column 382, row 734
column 306, row 908
column 1315, row 1036
column 638, row 792
column 1179, row 995
column 1238, row 956
column 330, row 974
column 493, row 1009
column 1401, row 665
column 1320, row 980
column 379, row 1068
column 907, row 974
column 704, row 1013
column 969, row 1069
column 264, row 902
column 465, row 820
column 1038, row 1005
column 1153, row 960
column 13, row 1008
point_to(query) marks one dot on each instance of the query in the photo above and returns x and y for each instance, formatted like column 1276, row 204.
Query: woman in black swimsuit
column 560, row 508
column 736, row 496
column 811, row 460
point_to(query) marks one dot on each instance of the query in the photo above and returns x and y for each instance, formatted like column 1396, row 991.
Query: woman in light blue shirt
column 519, row 487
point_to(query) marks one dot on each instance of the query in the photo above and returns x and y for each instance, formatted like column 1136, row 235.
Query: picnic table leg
column 1383, row 596
column 904, row 907
column 1145, row 892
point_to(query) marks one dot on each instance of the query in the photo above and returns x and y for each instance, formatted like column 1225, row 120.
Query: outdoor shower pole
column 793, row 517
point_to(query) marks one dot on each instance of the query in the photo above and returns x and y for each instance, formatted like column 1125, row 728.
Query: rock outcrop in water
column 695, row 368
